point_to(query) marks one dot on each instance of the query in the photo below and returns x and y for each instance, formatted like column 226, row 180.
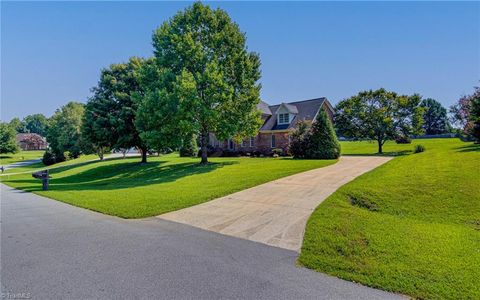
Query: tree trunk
column 380, row 144
column 144, row 156
column 204, row 143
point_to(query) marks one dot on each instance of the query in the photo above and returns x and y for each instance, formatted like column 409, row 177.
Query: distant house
column 278, row 122
column 31, row 141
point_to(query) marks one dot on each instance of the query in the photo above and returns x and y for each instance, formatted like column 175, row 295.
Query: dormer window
column 283, row 118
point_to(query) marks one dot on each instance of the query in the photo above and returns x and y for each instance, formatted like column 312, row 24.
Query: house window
column 273, row 141
column 231, row 144
column 252, row 140
column 283, row 118
column 244, row 143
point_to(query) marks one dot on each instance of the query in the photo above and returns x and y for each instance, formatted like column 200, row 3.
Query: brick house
column 278, row 122
column 31, row 141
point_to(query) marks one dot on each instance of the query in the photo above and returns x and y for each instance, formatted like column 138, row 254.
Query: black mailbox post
column 42, row 175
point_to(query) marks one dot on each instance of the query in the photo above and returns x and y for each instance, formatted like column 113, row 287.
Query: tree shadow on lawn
column 469, row 148
column 129, row 174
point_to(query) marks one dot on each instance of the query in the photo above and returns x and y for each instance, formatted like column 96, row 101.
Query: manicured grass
column 125, row 188
column 6, row 159
column 411, row 226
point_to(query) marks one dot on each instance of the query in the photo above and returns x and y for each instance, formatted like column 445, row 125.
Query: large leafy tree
column 64, row 131
column 18, row 125
column 97, row 133
column 157, row 117
column 8, row 144
column 379, row 115
column 215, row 77
column 111, row 112
column 435, row 117
column 36, row 123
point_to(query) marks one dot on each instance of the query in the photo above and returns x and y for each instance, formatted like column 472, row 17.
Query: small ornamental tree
column 475, row 115
column 8, row 144
column 466, row 114
column 299, row 140
column 322, row 140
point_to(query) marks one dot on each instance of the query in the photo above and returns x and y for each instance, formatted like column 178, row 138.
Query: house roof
column 303, row 110
column 264, row 108
column 22, row 136
column 289, row 107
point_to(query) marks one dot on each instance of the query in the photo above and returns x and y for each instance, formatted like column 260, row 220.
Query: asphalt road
column 52, row 250
column 21, row 163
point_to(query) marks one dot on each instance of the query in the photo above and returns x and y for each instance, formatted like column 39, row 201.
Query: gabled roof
column 306, row 110
column 264, row 108
column 289, row 107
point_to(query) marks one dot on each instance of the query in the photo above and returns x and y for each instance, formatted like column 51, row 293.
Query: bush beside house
column 318, row 141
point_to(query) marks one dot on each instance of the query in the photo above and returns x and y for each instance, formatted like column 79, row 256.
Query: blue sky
column 52, row 52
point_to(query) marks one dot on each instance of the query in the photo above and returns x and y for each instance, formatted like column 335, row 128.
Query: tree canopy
column 109, row 121
column 18, row 125
column 379, row 115
column 8, row 143
column 36, row 123
column 465, row 114
column 435, row 117
column 64, row 131
column 207, row 70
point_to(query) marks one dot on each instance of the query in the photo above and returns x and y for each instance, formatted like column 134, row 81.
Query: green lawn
column 6, row 159
column 411, row 226
column 125, row 188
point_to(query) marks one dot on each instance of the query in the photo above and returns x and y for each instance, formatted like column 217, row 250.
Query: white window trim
column 287, row 121
column 252, row 139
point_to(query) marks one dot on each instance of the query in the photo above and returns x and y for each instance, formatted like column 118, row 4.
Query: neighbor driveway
column 275, row 213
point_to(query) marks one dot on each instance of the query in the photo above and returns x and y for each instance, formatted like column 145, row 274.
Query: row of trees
column 381, row 115
column 36, row 123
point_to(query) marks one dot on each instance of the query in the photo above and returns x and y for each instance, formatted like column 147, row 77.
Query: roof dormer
column 285, row 113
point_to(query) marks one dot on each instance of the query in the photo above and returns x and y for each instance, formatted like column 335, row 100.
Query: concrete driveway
column 275, row 213
column 51, row 250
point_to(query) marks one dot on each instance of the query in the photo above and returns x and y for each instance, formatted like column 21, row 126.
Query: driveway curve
column 275, row 213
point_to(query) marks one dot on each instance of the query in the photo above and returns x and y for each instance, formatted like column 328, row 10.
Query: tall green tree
column 435, row 117
column 379, row 115
column 116, row 108
column 64, row 131
column 18, row 125
column 36, row 123
column 8, row 143
column 97, row 134
column 215, row 76
column 158, row 116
